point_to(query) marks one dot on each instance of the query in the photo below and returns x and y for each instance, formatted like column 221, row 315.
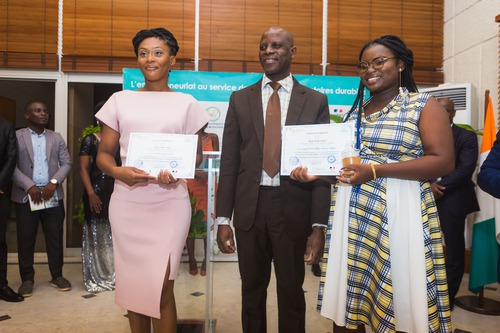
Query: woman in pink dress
column 149, row 214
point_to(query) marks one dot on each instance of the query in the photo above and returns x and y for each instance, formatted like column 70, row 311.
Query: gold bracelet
column 373, row 171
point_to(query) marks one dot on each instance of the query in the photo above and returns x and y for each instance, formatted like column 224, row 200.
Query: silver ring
column 348, row 179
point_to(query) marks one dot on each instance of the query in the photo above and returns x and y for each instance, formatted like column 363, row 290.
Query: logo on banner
column 213, row 112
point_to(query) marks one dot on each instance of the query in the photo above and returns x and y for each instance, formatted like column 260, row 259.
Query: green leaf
column 198, row 227
column 469, row 128
column 80, row 214
column 335, row 118
column 91, row 129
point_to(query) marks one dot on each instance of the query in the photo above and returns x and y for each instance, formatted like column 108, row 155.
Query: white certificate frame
column 317, row 147
column 152, row 152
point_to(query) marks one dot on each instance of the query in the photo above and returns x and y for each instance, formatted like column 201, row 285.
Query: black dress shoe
column 8, row 295
column 316, row 270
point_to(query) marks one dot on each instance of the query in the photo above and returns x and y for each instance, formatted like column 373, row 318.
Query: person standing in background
column 43, row 164
column 97, row 243
column 488, row 177
column 8, row 158
column 198, row 188
column 277, row 220
column 455, row 198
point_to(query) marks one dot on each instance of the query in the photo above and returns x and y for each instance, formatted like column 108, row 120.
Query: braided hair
column 161, row 33
column 401, row 51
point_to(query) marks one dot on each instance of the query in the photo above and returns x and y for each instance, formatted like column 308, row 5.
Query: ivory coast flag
column 486, row 230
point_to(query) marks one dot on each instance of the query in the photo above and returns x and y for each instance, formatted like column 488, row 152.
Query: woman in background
column 149, row 214
column 384, row 256
column 198, row 187
column 97, row 243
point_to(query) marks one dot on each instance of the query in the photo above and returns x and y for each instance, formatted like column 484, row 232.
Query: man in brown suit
column 276, row 219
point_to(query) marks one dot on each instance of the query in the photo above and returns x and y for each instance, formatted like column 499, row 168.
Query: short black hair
column 166, row 36
column 28, row 105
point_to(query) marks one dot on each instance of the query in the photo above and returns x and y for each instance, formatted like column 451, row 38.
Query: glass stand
column 213, row 176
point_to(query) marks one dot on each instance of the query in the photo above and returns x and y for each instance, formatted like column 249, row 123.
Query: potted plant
column 198, row 227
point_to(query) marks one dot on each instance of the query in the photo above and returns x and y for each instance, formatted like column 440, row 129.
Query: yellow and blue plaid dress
column 391, row 134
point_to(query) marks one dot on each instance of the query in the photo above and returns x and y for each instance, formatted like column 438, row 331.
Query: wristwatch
column 54, row 181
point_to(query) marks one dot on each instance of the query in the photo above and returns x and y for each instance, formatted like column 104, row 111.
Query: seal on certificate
column 331, row 159
column 294, row 160
column 174, row 164
column 138, row 163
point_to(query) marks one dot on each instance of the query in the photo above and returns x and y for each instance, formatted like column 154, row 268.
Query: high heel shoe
column 193, row 267
column 203, row 271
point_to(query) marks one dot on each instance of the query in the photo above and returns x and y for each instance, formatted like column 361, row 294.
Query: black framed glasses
column 377, row 63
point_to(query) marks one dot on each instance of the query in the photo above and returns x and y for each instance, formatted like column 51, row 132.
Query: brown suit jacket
column 241, row 162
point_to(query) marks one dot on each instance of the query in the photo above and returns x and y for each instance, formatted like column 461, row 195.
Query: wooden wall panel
column 232, row 31
column 418, row 23
column 178, row 17
column 129, row 16
column 423, row 19
column 31, row 27
column 223, row 33
column 4, row 13
column 304, row 20
column 352, row 22
column 90, row 33
column 103, row 30
column 28, row 33
column 97, row 33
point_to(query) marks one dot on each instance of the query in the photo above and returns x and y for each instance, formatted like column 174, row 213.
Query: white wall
column 471, row 50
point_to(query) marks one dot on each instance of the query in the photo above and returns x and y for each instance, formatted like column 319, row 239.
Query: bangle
column 373, row 171
column 323, row 228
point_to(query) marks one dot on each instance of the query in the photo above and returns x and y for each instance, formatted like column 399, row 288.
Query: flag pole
column 479, row 303
column 486, row 99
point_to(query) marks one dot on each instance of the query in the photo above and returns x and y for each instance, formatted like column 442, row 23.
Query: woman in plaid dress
column 385, row 263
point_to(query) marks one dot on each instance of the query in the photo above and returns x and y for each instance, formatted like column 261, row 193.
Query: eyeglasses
column 377, row 63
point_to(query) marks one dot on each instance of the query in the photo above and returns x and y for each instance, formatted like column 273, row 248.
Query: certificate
column 52, row 202
column 317, row 147
column 153, row 152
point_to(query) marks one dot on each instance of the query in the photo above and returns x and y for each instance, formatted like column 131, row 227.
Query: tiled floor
column 50, row 311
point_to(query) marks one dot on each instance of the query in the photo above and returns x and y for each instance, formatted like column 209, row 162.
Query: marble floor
column 75, row 311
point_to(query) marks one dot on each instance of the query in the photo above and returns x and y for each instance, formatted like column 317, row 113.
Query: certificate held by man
column 317, row 147
column 152, row 152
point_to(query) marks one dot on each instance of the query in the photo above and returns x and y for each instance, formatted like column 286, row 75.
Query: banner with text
column 213, row 89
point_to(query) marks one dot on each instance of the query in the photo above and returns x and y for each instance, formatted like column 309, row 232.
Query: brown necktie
column 272, row 133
